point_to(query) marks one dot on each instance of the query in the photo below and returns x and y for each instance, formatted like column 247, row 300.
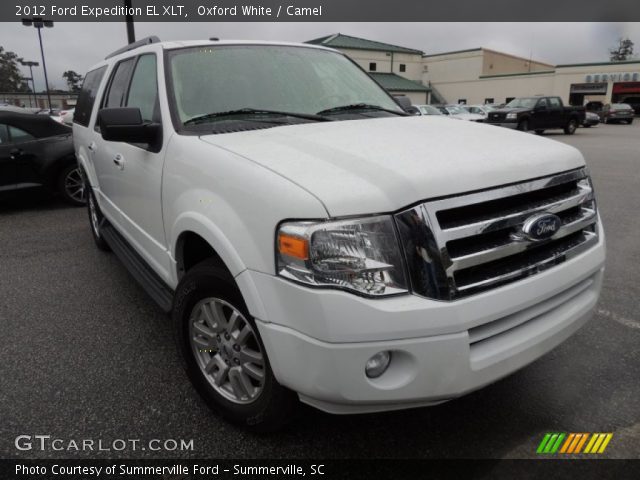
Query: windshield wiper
column 360, row 106
column 253, row 111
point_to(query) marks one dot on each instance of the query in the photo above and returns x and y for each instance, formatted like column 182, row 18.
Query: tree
column 10, row 76
column 74, row 80
column 624, row 51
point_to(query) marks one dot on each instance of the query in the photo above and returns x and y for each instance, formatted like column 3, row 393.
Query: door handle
column 15, row 153
column 119, row 161
column 92, row 147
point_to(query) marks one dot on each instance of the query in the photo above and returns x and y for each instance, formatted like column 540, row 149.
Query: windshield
column 429, row 110
column 522, row 103
column 206, row 80
column 455, row 110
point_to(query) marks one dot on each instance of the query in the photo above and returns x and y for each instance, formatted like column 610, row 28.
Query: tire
column 539, row 132
column 523, row 126
column 95, row 219
column 630, row 122
column 216, row 334
column 587, row 125
column 571, row 127
column 71, row 186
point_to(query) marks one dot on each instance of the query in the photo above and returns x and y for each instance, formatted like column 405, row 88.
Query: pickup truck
column 538, row 114
column 275, row 200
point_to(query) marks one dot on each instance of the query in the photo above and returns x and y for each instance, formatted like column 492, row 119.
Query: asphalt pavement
column 85, row 354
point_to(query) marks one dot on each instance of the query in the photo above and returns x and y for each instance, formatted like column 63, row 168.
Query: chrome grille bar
column 467, row 244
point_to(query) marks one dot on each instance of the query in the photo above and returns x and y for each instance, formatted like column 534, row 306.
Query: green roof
column 396, row 83
column 338, row 40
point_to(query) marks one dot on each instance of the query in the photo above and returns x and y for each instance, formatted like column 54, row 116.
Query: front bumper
column 318, row 341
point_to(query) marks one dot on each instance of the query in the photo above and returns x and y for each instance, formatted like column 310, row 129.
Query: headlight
column 362, row 255
column 512, row 116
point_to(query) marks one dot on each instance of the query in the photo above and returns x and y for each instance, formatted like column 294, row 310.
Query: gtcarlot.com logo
column 50, row 443
column 573, row 443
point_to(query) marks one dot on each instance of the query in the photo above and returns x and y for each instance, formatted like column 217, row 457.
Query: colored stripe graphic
column 572, row 443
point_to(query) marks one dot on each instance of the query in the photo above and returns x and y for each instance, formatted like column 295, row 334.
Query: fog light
column 378, row 364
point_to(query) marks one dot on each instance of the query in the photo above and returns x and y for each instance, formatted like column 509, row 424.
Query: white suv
column 314, row 242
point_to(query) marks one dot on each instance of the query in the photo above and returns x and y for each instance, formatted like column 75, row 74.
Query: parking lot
column 84, row 353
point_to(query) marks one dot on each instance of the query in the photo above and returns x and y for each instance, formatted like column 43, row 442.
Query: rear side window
column 4, row 134
column 87, row 96
column 143, row 92
column 18, row 135
column 555, row 102
column 119, row 82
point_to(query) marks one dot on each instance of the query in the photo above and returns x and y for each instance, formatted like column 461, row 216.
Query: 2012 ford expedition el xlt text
column 314, row 242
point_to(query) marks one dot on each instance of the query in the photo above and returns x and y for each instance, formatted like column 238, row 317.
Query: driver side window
column 542, row 102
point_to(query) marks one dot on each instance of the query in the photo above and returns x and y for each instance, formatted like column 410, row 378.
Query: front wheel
column 539, row 132
column 95, row 219
column 71, row 186
column 223, row 353
column 630, row 122
column 571, row 127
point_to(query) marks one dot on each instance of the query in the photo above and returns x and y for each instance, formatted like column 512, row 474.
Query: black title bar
column 323, row 10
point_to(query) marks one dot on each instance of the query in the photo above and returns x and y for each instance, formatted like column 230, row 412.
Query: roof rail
column 132, row 46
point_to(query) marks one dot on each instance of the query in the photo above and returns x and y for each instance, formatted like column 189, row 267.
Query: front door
column 137, row 169
column 7, row 163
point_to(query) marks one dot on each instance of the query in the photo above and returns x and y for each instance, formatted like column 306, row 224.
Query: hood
column 382, row 165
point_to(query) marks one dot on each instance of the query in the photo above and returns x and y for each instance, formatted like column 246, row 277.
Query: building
column 397, row 69
column 60, row 101
column 482, row 75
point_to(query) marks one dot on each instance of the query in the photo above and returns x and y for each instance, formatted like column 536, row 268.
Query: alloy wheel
column 74, row 185
column 227, row 350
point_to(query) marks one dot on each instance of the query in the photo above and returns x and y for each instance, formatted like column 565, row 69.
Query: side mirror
column 124, row 124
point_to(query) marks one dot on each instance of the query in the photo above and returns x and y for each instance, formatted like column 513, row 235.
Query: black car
column 36, row 151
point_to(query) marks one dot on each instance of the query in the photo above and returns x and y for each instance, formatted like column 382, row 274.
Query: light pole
column 30, row 64
column 39, row 22
column 131, row 34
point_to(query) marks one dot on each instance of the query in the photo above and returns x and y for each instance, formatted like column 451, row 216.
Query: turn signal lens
column 293, row 246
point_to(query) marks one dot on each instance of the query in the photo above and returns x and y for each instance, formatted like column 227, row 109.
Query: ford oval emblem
column 541, row 226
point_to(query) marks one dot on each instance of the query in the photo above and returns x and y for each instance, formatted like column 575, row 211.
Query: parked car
column 595, row 107
column 634, row 102
column 617, row 113
column 36, row 151
column 428, row 110
column 482, row 110
column 591, row 119
column 538, row 114
column 456, row 111
column 308, row 250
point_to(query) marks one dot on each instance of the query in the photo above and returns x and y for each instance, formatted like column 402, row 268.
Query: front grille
column 497, row 117
column 463, row 245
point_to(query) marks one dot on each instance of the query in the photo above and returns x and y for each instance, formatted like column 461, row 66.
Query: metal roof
column 338, row 40
column 396, row 83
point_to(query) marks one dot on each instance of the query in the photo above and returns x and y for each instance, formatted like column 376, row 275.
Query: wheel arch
column 195, row 239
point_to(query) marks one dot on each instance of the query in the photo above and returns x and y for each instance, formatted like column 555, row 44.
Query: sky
column 77, row 46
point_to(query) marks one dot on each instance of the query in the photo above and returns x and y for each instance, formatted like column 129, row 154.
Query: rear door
column 557, row 116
